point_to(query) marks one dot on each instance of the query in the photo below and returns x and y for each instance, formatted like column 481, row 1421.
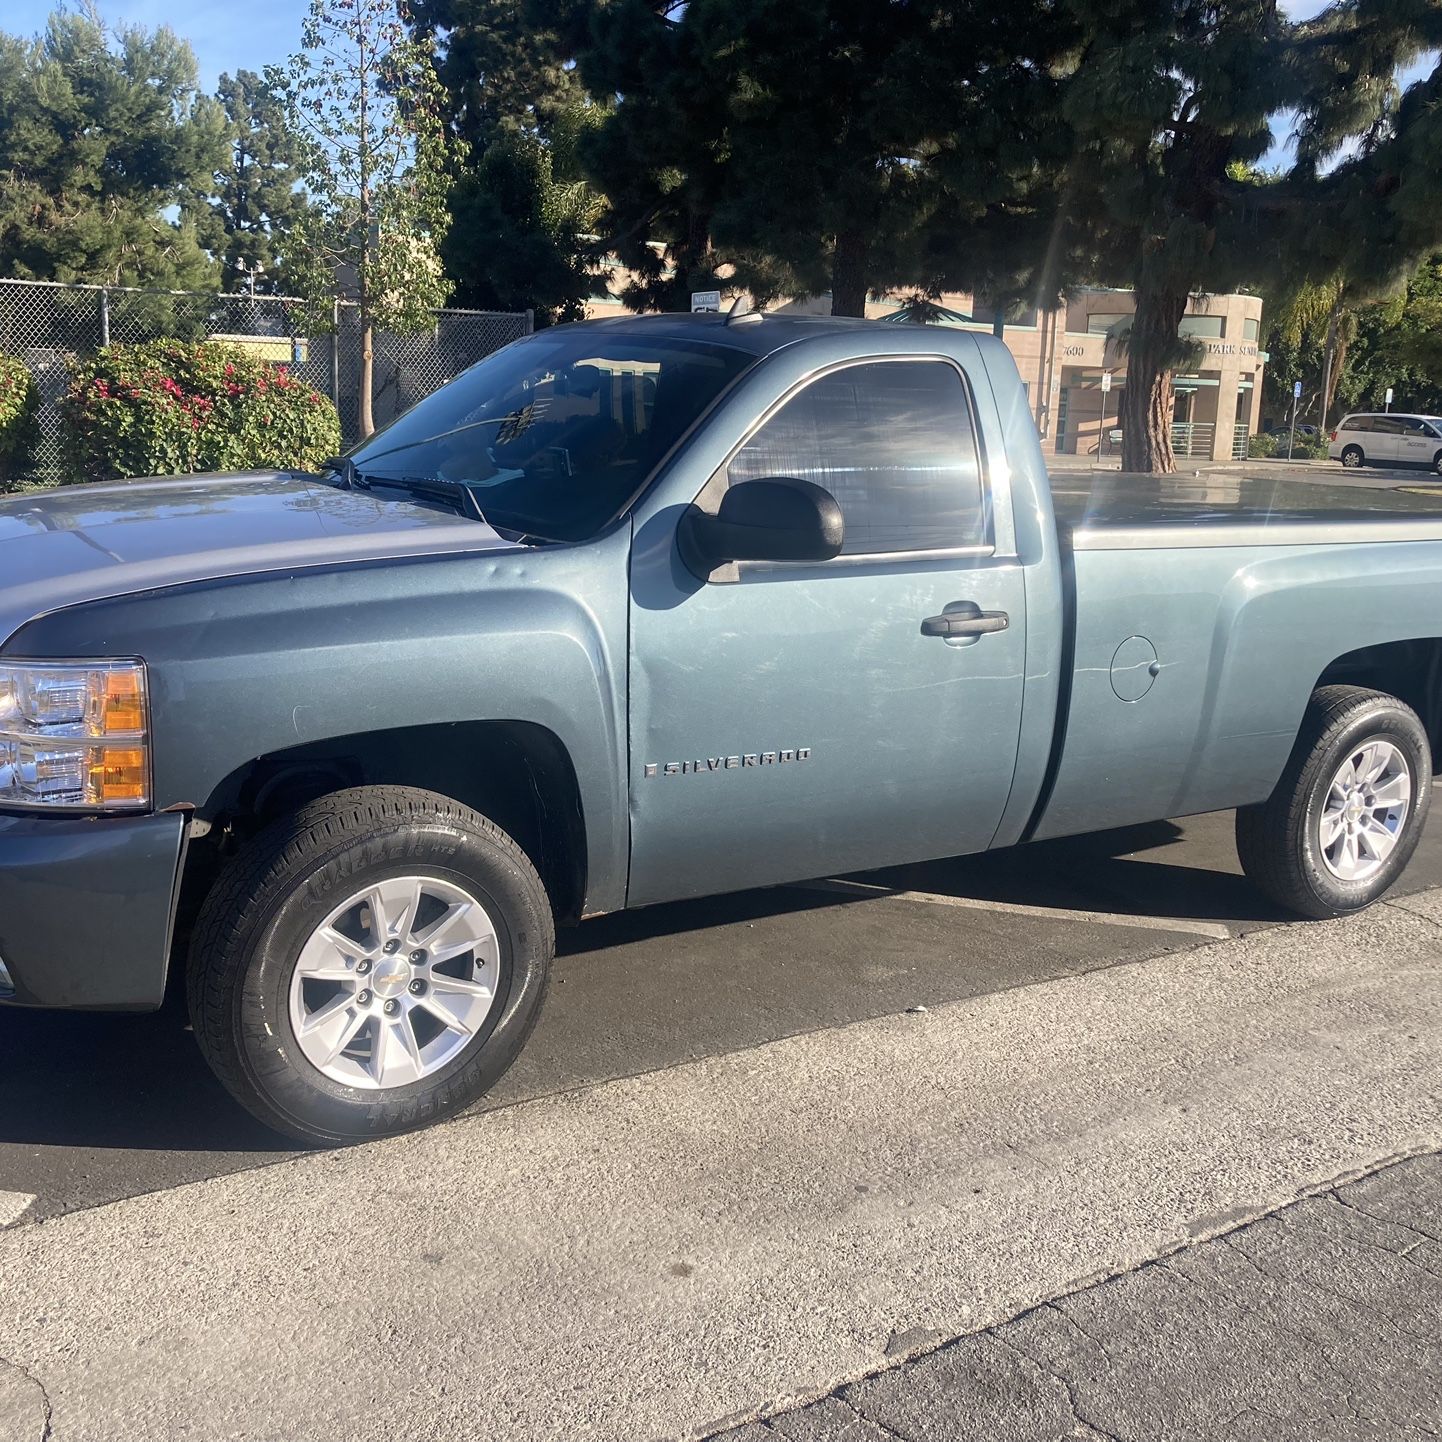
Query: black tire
column 1279, row 841
column 1352, row 457
column 274, row 893
column 1437, row 463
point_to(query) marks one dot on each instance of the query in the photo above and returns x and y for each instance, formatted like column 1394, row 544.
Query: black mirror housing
column 780, row 518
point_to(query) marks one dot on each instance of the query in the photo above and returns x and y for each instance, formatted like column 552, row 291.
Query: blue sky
column 226, row 35
column 231, row 35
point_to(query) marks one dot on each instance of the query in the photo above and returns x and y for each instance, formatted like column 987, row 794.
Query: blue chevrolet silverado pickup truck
column 644, row 609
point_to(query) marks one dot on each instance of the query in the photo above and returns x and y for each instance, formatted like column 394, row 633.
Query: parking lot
column 764, row 1147
column 102, row 1107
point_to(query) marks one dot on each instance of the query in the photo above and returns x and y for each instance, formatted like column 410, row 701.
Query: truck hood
column 88, row 543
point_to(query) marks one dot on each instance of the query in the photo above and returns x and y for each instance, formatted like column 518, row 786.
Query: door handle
column 965, row 618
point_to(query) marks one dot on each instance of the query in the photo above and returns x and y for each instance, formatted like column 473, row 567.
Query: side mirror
column 777, row 519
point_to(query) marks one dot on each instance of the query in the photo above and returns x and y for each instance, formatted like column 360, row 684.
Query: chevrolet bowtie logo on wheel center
column 727, row 763
column 391, row 976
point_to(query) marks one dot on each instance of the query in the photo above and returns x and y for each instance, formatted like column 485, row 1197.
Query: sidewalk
column 1319, row 1322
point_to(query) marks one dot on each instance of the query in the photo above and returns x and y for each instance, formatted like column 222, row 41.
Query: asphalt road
column 98, row 1107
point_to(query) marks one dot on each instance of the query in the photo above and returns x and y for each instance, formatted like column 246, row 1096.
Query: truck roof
column 769, row 332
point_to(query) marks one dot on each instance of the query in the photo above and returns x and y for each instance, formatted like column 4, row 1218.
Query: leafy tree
column 1170, row 102
column 102, row 141
column 521, row 237
column 365, row 93
column 1391, row 344
column 258, row 200
column 522, row 211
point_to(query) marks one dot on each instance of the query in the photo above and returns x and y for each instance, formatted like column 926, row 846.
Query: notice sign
column 705, row 302
column 1106, row 381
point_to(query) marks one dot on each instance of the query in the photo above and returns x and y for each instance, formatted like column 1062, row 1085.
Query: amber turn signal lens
column 118, row 774
column 122, row 703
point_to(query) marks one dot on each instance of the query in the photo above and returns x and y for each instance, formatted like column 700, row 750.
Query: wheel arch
column 517, row 773
column 1409, row 670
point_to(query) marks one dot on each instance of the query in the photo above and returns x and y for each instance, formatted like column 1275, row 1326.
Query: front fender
column 247, row 666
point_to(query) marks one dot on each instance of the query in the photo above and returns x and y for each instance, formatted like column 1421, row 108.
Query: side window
column 1357, row 423
column 1387, row 426
column 894, row 442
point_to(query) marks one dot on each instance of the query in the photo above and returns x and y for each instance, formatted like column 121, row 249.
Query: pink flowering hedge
column 168, row 408
column 19, row 401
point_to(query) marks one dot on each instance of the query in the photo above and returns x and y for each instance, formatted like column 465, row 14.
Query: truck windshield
column 554, row 435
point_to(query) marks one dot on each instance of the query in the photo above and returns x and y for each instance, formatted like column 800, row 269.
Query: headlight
column 74, row 735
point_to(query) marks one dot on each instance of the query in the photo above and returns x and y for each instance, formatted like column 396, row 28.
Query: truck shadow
column 651, row 988
column 1109, row 873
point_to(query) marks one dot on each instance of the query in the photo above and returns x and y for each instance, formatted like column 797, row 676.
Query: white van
column 1388, row 440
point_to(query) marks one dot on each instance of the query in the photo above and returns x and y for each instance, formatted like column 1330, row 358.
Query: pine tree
column 839, row 146
column 104, row 144
column 258, row 196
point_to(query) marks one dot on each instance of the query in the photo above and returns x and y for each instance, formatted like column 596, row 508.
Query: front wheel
column 1348, row 812
column 369, row 965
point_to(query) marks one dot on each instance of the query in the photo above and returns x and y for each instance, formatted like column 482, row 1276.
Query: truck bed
column 1202, row 613
column 1105, row 511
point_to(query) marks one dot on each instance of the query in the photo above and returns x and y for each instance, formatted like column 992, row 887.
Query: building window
column 1251, row 329
column 1204, row 327
column 1101, row 323
column 894, row 442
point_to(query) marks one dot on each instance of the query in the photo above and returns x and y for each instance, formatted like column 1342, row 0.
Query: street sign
column 705, row 301
column 1106, row 381
column 1297, row 390
column 1389, row 398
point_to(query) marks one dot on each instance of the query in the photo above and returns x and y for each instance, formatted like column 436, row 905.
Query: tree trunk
column 367, row 374
column 848, row 274
column 1147, row 401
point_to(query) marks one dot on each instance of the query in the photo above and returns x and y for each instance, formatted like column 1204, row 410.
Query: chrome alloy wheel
column 394, row 982
column 1366, row 809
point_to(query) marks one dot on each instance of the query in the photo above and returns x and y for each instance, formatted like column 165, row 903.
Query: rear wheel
column 1348, row 812
column 1437, row 463
column 369, row 965
column 1352, row 457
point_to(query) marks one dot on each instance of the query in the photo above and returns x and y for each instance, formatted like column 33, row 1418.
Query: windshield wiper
column 455, row 494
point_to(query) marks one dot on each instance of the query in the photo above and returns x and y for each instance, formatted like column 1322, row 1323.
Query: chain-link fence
column 46, row 323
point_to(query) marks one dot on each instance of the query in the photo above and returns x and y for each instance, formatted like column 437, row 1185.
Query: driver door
column 790, row 720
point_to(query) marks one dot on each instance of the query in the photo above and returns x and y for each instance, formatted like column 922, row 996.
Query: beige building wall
column 1063, row 353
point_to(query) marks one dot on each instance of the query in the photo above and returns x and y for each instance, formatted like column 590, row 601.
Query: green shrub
column 170, row 407
column 19, row 403
column 1260, row 446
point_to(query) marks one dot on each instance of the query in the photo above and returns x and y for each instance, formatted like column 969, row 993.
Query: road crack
column 1412, row 1227
column 1062, row 1381
column 48, row 1412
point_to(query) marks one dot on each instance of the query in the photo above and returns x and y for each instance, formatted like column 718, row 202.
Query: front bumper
column 87, row 906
